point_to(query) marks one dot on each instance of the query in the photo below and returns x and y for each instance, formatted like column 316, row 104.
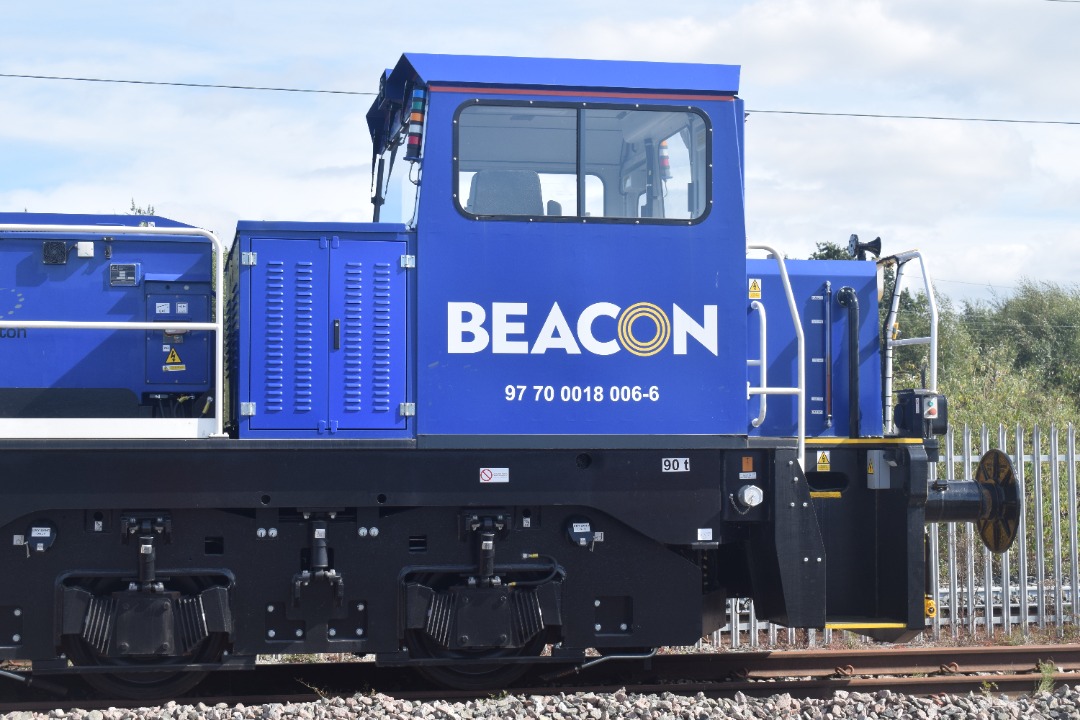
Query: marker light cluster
column 416, row 126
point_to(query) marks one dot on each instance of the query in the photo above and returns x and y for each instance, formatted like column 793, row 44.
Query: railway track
column 807, row 673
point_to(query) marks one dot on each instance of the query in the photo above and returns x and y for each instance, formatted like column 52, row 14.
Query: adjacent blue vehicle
column 117, row 277
column 542, row 400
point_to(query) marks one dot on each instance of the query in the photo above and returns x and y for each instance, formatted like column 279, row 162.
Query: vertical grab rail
column 760, row 363
column 799, row 391
column 217, row 326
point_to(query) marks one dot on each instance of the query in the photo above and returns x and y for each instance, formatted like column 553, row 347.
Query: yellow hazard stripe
column 863, row 626
column 862, row 441
column 833, row 494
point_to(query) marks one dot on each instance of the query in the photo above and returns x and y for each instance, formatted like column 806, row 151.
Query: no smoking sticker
column 494, row 475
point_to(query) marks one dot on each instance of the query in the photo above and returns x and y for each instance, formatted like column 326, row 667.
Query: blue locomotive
column 543, row 399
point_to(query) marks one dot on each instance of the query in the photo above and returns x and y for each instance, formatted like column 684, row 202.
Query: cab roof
column 481, row 72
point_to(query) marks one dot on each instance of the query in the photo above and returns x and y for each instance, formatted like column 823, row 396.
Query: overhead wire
column 184, row 84
column 811, row 113
column 952, row 118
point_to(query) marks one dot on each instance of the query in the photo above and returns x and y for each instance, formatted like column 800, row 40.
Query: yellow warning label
column 755, row 288
column 823, row 461
column 870, row 467
column 173, row 358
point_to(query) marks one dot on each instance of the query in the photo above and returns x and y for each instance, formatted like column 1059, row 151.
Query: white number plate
column 675, row 465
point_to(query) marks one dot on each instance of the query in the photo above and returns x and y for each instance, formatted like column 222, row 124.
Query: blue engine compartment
column 317, row 330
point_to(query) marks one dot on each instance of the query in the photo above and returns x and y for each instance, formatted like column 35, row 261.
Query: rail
column 156, row 428
column 800, row 389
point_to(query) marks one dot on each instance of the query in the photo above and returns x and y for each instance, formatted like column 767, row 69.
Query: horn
column 858, row 249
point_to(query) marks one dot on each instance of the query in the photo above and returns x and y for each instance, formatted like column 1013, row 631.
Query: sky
column 989, row 204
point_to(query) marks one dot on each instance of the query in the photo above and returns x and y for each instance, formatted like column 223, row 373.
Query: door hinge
column 408, row 261
column 247, row 409
column 249, row 258
column 407, row 409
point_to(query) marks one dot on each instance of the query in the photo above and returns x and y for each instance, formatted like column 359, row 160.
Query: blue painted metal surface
column 137, row 278
column 827, row 409
column 322, row 332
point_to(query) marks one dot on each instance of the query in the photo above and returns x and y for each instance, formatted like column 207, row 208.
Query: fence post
column 753, row 624
column 954, row 614
column 1021, row 555
column 1072, row 519
column 988, row 557
column 1055, row 514
column 1006, row 568
column 969, row 539
column 1040, row 559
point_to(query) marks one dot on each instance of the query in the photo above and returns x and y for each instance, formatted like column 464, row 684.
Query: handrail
column 762, row 362
column 891, row 330
column 66, row 426
column 800, row 388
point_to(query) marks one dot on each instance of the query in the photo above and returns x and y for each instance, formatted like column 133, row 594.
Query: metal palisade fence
column 1029, row 589
column 1032, row 585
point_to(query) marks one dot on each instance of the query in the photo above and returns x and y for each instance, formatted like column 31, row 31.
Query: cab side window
column 557, row 161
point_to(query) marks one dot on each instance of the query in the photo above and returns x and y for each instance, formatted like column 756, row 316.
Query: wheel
column 471, row 676
column 142, row 685
column 145, row 685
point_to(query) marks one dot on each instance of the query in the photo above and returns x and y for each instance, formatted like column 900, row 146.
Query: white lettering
column 706, row 333
column 457, row 327
column 466, row 330
column 585, row 333
column 502, row 328
column 555, row 335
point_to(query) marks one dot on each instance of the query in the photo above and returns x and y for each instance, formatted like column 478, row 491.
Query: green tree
column 830, row 251
column 1012, row 360
column 1042, row 322
column 136, row 210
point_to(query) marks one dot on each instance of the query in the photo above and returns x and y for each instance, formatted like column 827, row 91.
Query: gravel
column 1062, row 703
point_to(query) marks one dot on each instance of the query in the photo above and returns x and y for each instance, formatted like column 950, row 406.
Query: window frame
column 582, row 107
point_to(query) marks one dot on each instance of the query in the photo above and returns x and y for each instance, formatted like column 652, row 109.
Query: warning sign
column 173, row 363
column 494, row 475
column 823, row 461
column 755, row 288
column 869, row 467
